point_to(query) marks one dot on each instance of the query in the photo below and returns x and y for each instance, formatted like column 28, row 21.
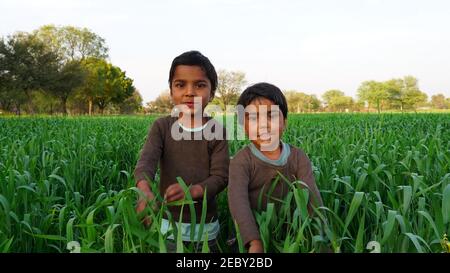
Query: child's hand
column 175, row 192
column 256, row 246
column 142, row 202
column 196, row 191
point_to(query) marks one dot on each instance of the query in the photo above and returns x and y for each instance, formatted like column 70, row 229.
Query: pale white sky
column 310, row 46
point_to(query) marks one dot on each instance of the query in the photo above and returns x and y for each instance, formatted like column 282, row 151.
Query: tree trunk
column 17, row 110
column 101, row 106
column 64, row 102
column 90, row 106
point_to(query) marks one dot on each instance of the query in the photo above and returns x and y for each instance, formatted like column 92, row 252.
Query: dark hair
column 264, row 90
column 198, row 59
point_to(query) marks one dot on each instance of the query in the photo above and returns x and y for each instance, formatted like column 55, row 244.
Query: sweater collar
column 285, row 152
column 196, row 129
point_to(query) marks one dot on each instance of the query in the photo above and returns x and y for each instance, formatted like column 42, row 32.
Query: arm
column 218, row 170
column 239, row 203
column 306, row 175
column 150, row 155
column 146, row 167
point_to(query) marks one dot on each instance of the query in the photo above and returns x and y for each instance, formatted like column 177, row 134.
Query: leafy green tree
column 71, row 76
column 105, row 84
column 73, row 43
column 43, row 102
column 301, row 102
column 26, row 64
column 337, row 101
column 438, row 101
column 117, row 87
column 374, row 93
column 412, row 95
column 394, row 88
column 229, row 86
column 131, row 105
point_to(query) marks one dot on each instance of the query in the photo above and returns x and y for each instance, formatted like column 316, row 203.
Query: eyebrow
column 196, row 81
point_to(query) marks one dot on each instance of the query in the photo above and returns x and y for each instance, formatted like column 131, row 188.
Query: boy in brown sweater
column 254, row 168
column 180, row 144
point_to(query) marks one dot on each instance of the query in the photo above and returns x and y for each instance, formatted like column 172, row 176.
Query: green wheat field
column 66, row 183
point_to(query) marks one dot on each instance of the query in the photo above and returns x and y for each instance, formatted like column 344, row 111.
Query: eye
column 178, row 85
column 252, row 117
column 274, row 115
column 201, row 85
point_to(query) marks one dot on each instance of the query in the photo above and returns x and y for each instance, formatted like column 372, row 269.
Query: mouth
column 189, row 104
column 265, row 136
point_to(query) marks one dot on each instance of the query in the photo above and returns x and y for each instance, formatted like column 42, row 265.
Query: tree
column 394, row 88
column 337, row 101
column 402, row 93
column 438, row 101
column 105, row 84
column 412, row 96
column 374, row 93
column 8, row 98
column 162, row 104
column 117, row 87
column 415, row 98
column 132, row 104
column 301, row 102
column 45, row 102
column 73, row 43
column 94, row 82
column 229, row 87
column 71, row 76
column 26, row 64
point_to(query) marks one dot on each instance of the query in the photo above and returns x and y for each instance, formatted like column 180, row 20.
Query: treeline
column 62, row 70
column 65, row 70
column 393, row 95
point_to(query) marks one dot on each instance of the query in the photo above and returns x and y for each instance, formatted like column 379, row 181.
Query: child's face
column 264, row 125
column 189, row 82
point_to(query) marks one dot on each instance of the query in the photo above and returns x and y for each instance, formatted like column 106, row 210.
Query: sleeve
column 305, row 174
column 239, row 202
column 150, row 154
column 218, row 169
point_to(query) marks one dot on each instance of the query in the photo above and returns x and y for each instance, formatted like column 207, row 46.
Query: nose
column 190, row 91
column 263, row 126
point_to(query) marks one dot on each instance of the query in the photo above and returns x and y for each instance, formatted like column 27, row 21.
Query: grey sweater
column 249, row 175
column 203, row 162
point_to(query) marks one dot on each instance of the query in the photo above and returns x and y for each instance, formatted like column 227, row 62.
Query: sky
column 309, row 46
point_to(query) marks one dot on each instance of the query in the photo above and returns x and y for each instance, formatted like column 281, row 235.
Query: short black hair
column 196, row 58
column 264, row 90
